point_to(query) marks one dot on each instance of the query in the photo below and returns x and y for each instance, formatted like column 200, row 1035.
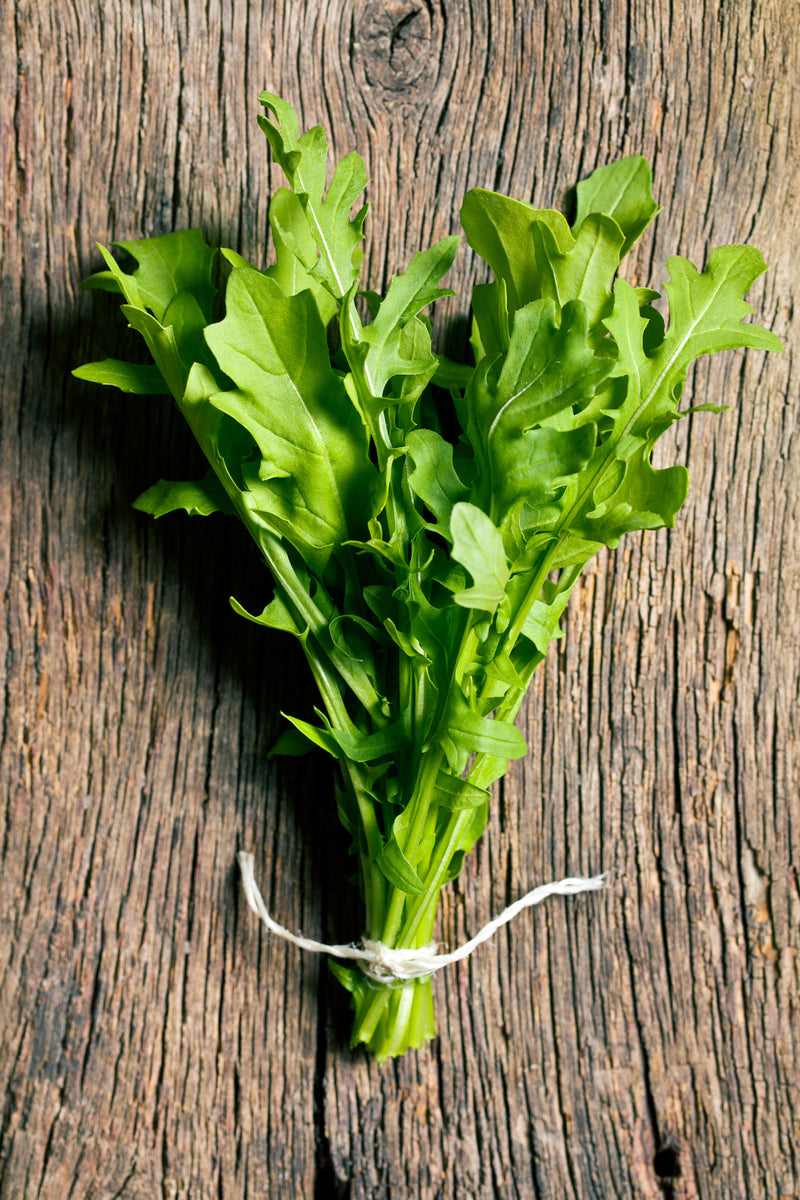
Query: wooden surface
column 644, row 1042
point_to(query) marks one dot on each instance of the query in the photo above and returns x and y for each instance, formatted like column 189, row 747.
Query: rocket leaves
column 144, row 379
column 303, row 158
column 423, row 571
column 514, row 405
column 622, row 191
column 312, row 444
column 478, row 546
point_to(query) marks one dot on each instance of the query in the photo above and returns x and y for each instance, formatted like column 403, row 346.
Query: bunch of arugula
column 424, row 577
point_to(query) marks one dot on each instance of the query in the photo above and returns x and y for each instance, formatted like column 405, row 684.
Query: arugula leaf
column 549, row 370
column 198, row 498
column 457, row 795
column 394, row 863
column 580, row 268
column 303, row 158
column 623, row 191
column 294, row 246
column 169, row 297
column 433, row 477
column 170, row 265
column 619, row 490
column 478, row 546
column 391, row 364
column 142, row 378
column 313, row 446
column 162, row 344
column 536, row 256
column 395, row 343
column 465, row 732
column 499, row 229
column 322, row 738
column 276, row 615
column 542, row 621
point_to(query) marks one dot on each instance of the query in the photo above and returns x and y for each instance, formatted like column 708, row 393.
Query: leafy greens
column 423, row 577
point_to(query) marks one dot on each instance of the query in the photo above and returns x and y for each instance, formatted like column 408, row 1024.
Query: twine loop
column 388, row 964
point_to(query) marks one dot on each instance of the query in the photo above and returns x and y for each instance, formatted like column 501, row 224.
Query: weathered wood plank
column 152, row 1042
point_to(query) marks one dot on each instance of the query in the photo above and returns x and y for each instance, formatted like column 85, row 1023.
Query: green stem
column 422, row 909
column 393, row 1018
column 420, row 804
column 509, row 639
column 374, row 880
column 280, row 564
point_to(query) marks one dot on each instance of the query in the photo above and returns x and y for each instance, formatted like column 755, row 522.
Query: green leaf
column 465, row 732
column 160, row 339
column 535, row 255
column 409, row 292
column 456, row 794
column 433, row 477
column 653, row 334
column 161, row 343
column 393, row 859
column 490, row 320
column 549, row 370
column 171, row 264
column 622, row 190
column 225, row 443
column 291, row 744
column 143, row 379
column 619, row 489
column 450, row 374
column 645, row 498
column 234, row 258
column 410, row 646
column 478, row 546
column 187, row 321
column 312, row 442
column 499, row 229
column 102, row 281
column 398, row 870
column 578, row 268
column 276, row 615
column 360, row 643
column 198, row 498
column 303, row 159
column 295, row 246
column 396, row 343
column 368, row 747
column 542, row 622
column 706, row 311
column 543, row 460
column 317, row 736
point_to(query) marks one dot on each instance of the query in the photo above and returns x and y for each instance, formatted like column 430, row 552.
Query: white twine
column 385, row 964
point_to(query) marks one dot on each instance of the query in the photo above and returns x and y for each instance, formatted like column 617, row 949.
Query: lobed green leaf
column 303, row 158
column 199, row 497
column 478, row 546
column 314, row 464
column 623, row 191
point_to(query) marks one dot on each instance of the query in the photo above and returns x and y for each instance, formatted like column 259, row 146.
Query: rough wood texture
column 638, row 1043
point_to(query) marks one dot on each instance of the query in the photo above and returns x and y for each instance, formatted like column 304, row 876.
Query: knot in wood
column 398, row 44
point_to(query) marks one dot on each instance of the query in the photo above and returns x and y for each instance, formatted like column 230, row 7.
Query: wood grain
column 639, row 1043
